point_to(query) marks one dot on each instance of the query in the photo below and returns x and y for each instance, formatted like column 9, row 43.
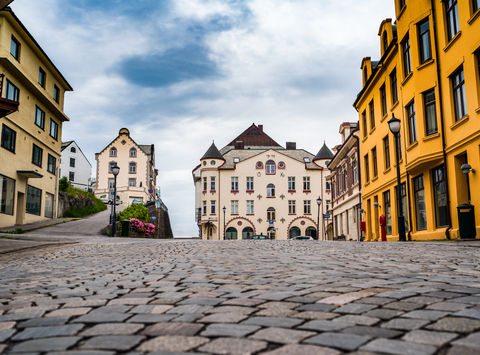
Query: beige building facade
column 254, row 186
column 31, row 110
column 137, row 178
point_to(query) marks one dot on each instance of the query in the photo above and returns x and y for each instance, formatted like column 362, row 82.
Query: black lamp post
column 115, row 171
column 394, row 125
column 467, row 169
column 224, row 222
column 319, row 202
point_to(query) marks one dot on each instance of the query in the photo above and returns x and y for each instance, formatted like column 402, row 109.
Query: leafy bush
column 134, row 211
column 80, row 212
column 63, row 184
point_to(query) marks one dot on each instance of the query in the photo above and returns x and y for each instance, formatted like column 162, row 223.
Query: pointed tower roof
column 254, row 136
column 213, row 153
column 324, row 153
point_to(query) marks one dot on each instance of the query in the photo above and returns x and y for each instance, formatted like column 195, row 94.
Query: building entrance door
column 20, row 208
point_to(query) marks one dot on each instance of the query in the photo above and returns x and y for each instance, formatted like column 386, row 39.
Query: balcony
column 6, row 106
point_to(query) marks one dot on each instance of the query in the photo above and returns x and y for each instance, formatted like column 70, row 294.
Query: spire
column 324, row 153
column 213, row 153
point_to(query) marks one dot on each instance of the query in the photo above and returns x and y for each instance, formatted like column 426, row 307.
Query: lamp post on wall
column 467, row 169
column 115, row 171
column 394, row 125
column 319, row 202
column 224, row 222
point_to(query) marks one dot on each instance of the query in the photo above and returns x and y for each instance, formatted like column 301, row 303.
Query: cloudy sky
column 180, row 73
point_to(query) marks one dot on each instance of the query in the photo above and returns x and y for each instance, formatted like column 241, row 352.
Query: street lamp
column 115, row 171
column 224, row 225
column 394, row 125
column 319, row 202
column 467, row 169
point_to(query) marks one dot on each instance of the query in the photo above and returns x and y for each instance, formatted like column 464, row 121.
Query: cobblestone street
column 109, row 296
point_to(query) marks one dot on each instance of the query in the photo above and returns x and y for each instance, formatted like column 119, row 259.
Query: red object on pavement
column 383, row 230
column 363, row 226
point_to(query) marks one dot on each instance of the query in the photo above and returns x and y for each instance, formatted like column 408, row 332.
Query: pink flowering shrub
column 139, row 226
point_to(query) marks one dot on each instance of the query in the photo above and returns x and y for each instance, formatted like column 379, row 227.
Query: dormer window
column 306, row 159
column 113, row 152
column 270, row 167
column 236, row 160
column 365, row 74
column 384, row 41
column 212, row 162
column 73, row 150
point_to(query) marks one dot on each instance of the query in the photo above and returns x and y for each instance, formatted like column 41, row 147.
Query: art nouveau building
column 136, row 182
column 428, row 76
column 254, row 186
column 31, row 119
column 346, row 208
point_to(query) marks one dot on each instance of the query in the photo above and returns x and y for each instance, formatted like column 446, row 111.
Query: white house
column 75, row 166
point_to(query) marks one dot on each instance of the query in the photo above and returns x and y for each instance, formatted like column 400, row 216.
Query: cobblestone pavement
column 241, row 297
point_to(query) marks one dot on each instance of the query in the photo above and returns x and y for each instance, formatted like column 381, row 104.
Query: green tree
column 135, row 210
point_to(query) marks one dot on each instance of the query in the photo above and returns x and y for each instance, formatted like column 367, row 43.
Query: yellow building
column 428, row 76
column 254, row 186
column 32, row 94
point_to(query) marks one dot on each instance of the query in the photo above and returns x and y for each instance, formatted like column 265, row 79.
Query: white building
column 75, row 166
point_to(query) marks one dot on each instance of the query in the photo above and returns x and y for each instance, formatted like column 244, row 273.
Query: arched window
column 113, row 152
column 73, row 150
column 259, row 165
column 132, row 168
column 385, row 41
column 270, row 190
column 133, row 153
column 270, row 167
column 231, row 234
column 294, row 232
column 271, row 214
column 247, row 233
column 311, row 232
column 111, row 165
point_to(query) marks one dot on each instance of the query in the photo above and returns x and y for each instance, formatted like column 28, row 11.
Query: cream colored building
column 137, row 178
column 31, row 111
column 254, row 186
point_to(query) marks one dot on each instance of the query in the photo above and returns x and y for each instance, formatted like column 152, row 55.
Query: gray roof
column 66, row 144
column 212, row 153
column 324, row 153
column 147, row 149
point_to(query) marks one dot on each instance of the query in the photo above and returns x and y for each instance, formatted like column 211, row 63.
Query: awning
column 29, row 174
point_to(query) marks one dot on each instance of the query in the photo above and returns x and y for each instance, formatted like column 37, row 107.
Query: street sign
column 112, row 193
column 326, row 215
column 270, row 222
column 150, row 191
column 153, row 217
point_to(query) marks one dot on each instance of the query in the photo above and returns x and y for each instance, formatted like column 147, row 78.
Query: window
column 385, row 41
column 7, row 195
column 204, row 184
column 270, row 167
column 401, row 4
column 306, row 160
column 42, row 77
column 39, row 117
column 250, row 183
column 475, row 5
column 9, row 137
column 307, row 207
column 34, row 200
column 49, row 201
column 212, row 183
column 212, row 207
column 327, row 185
column 451, row 12
column 37, row 154
column 412, row 125
column 365, row 74
column 250, row 209
column 374, row 161
column 281, row 165
column 393, row 86
column 72, row 162
column 51, row 164
column 420, row 210
column 71, row 176
column 407, row 63
column 212, row 162
column 73, row 150
column 440, row 196
column 15, row 48
column 234, row 183
column 111, row 183
column 132, row 182
column 111, row 165
column 133, row 153
column 53, row 129
column 292, row 207
column 388, row 211
column 371, row 106
column 270, row 190
column 306, row 183
column 271, row 214
column 355, row 172
column 11, row 92
column 386, row 152
column 204, row 207
column 430, row 112
column 364, row 123
column 367, row 168
column 259, row 165
column 234, row 207
column 459, row 99
column 113, row 152
column 236, row 160
column 132, row 168
column 423, row 30
column 56, row 93
column 291, row 183
column 383, row 96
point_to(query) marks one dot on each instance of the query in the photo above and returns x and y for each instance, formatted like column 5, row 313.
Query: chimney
column 291, row 145
column 239, row 145
column 260, row 127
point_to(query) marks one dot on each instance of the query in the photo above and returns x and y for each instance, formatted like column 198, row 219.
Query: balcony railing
column 7, row 106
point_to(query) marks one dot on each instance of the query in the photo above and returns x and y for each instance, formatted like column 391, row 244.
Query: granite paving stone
column 113, row 342
column 172, row 343
column 281, row 335
column 166, row 328
column 341, row 341
column 357, row 319
column 456, row 324
column 429, row 337
column 234, row 346
column 273, row 322
column 405, row 323
column 372, row 331
column 45, row 332
column 229, row 330
column 6, row 334
column 112, row 329
column 223, row 318
column 69, row 312
column 425, row 314
column 390, row 346
column 46, row 344
column 102, row 317
column 303, row 350
column 324, row 325
column 470, row 341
